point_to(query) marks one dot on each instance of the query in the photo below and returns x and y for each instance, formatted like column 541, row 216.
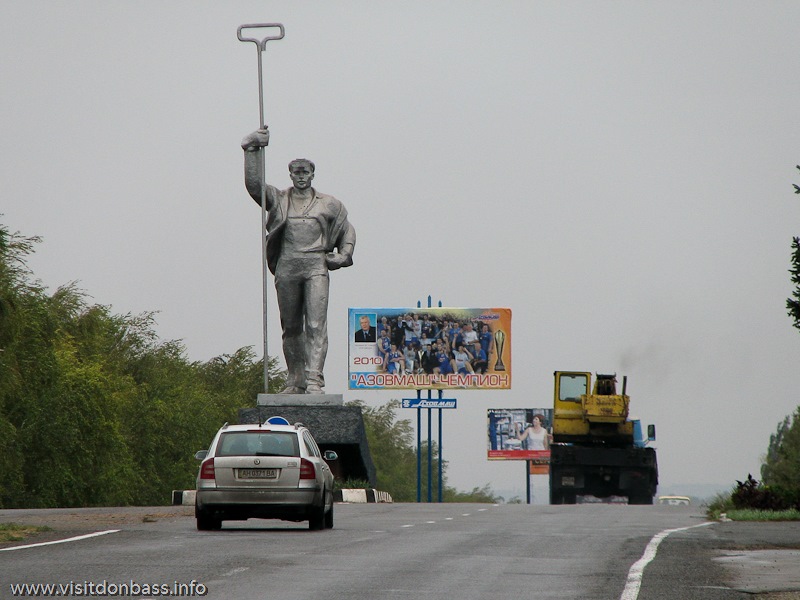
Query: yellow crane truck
column 597, row 449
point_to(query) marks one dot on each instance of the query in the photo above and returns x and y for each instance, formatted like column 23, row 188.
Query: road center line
column 636, row 572
column 72, row 539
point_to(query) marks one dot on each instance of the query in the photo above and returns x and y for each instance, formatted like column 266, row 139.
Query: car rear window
column 257, row 443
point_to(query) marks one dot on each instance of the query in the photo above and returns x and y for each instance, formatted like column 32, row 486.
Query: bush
column 750, row 494
column 719, row 504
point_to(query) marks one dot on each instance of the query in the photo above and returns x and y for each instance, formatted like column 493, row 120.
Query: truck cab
column 586, row 413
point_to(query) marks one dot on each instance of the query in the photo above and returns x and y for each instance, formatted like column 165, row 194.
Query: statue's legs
column 303, row 304
column 316, row 331
column 291, row 304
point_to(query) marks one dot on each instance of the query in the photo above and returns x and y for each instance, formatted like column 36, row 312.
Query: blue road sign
column 429, row 403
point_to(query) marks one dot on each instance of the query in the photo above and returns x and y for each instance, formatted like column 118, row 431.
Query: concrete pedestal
column 300, row 400
column 334, row 427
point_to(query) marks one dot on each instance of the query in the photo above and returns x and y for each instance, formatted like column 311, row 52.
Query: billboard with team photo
column 521, row 434
column 424, row 348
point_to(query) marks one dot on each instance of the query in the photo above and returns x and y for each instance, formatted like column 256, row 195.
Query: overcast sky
column 619, row 174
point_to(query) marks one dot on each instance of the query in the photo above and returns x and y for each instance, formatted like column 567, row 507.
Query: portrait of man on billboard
column 366, row 331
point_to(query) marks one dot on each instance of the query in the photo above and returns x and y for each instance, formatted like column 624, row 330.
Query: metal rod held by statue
column 261, row 46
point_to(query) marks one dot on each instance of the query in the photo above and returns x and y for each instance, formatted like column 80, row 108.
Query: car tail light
column 307, row 470
column 207, row 469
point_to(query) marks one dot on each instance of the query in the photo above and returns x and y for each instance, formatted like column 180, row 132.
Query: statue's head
column 301, row 161
column 301, row 171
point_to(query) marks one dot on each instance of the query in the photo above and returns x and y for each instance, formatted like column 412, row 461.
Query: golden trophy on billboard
column 499, row 343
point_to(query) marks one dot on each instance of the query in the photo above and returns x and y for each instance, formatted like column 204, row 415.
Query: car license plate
column 258, row 473
column 567, row 481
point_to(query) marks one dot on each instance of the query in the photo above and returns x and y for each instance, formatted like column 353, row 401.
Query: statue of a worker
column 308, row 234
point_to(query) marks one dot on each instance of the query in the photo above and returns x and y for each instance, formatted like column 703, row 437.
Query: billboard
column 424, row 348
column 520, row 434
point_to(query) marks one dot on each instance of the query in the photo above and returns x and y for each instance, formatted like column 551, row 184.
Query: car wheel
column 208, row 523
column 316, row 519
column 329, row 518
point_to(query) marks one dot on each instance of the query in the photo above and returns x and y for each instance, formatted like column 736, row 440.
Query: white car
column 675, row 500
column 270, row 471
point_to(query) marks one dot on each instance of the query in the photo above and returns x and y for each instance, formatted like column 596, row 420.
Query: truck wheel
column 640, row 500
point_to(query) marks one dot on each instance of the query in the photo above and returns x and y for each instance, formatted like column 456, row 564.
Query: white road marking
column 631, row 591
column 446, row 518
column 235, row 571
column 72, row 539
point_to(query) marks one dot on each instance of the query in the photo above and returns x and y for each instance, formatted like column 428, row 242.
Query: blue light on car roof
column 277, row 421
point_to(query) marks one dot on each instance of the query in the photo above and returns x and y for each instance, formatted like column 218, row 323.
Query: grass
column 763, row 515
column 351, row 484
column 13, row 532
column 722, row 504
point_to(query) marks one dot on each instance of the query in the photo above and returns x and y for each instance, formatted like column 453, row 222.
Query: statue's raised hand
column 257, row 139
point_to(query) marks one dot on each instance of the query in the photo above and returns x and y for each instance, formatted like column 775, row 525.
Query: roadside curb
column 183, row 497
column 354, row 496
column 186, row 497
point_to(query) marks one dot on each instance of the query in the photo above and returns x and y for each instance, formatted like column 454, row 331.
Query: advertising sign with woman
column 520, row 434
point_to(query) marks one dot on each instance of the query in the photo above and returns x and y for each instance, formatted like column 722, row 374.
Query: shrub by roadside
column 751, row 500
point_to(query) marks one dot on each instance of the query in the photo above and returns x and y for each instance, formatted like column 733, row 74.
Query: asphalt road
column 447, row 551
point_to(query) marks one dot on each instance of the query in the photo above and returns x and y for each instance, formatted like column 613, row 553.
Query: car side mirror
column 330, row 455
column 651, row 433
column 201, row 454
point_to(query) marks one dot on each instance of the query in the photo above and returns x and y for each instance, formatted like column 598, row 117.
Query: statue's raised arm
column 253, row 178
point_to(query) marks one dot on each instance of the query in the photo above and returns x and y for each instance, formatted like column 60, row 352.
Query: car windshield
column 258, row 443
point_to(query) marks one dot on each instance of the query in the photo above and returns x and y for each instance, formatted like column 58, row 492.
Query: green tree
column 782, row 463
column 25, row 365
column 391, row 444
column 393, row 448
column 94, row 408
column 793, row 303
column 478, row 494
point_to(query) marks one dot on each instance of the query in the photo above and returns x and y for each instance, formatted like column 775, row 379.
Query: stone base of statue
column 300, row 400
column 334, row 427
